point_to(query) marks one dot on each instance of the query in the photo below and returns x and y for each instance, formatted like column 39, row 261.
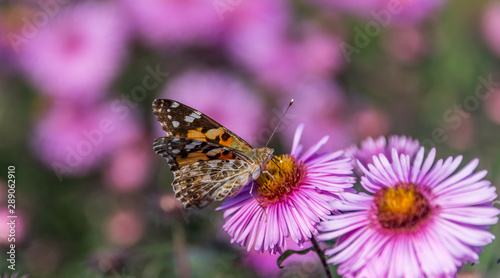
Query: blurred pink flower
column 461, row 137
column 222, row 97
column 255, row 35
column 388, row 11
column 19, row 231
column 360, row 7
column 130, row 167
column 253, row 15
column 265, row 265
column 272, row 60
column 173, row 22
column 319, row 54
column 492, row 106
column 406, row 43
column 491, row 26
column 12, row 37
column 321, row 106
column 370, row 122
column 78, row 53
column 124, row 228
column 73, row 139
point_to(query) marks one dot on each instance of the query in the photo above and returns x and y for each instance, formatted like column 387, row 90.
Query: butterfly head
column 263, row 155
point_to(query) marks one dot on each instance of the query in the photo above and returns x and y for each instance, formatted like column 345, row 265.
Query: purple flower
column 371, row 147
column 171, row 22
column 78, row 53
column 422, row 219
column 223, row 97
column 292, row 202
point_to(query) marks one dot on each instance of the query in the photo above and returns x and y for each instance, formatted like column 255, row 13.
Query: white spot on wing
column 168, row 110
column 176, row 151
column 169, row 117
column 196, row 114
column 188, row 119
column 213, row 152
column 191, row 145
column 175, row 123
column 174, row 104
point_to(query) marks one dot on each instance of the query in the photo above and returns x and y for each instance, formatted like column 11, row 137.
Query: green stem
column 321, row 257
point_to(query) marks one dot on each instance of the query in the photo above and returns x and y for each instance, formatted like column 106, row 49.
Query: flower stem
column 321, row 257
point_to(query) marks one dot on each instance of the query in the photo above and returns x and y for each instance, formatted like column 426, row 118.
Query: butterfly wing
column 180, row 152
column 203, row 182
column 182, row 121
column 204, row 172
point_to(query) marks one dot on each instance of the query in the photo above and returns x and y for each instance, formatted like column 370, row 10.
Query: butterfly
column 209, row 162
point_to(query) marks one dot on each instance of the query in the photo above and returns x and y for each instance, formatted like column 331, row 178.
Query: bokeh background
column 77, row 79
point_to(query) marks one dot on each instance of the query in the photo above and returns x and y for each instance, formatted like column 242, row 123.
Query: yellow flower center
column 401, row 207
column 280, row 177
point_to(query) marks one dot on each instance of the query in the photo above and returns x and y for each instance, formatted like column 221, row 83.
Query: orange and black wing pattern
column 181, row 121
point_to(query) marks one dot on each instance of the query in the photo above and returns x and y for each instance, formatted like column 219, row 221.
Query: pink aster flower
column 421, row 219
column 78, row 53
column 290, row 204
column 371, row 147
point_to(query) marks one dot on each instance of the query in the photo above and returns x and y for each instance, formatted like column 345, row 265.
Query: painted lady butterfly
column 209, row 162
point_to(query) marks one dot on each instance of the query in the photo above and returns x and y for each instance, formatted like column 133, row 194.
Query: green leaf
column 290, row 252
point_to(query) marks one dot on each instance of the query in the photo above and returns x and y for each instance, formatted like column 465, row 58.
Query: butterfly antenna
column 274, row 131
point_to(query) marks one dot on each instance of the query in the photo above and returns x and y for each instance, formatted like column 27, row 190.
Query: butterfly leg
column 272, row 177
column 260, row 204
